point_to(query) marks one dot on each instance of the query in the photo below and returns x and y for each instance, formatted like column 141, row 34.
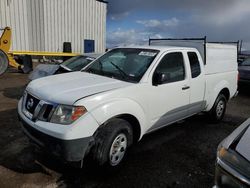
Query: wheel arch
column 127, row 110
column 225, row 91
column 135, row 125
column 132, row 120
column 221, row 88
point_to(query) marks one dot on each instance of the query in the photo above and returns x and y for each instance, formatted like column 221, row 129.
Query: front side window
column 172, row 67
column 128, row 64
column 194, row 64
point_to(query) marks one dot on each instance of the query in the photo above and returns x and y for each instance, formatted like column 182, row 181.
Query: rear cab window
column 194, row 64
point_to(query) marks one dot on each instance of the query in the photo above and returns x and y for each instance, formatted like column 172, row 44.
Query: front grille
column 35, row 109
column 46, row 112
column 31, row 103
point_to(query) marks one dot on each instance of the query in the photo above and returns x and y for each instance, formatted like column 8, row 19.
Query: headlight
column 24, row 93
column 222, row 152
column 65, row 114
column 234, row 160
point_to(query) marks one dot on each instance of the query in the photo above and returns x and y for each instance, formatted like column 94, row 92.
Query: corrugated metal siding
column 44, row 25
column 73, row 21
column 13, row 13
column 35, row 17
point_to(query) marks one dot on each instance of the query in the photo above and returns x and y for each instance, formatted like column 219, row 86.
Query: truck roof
column 161, row 48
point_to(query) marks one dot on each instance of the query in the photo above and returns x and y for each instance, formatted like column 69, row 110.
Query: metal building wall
column 13, row 13
column 35, row 17
column 73, row 21
column 43, row 25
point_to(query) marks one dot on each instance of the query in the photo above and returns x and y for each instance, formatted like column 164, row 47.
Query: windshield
column 246, row 62
column 128, row 64
column 77, row 63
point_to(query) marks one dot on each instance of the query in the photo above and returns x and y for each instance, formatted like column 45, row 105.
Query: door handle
column 185, row 87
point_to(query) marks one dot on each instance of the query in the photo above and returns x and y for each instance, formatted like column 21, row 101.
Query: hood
column 243, row 145
column 241, row 136
column 68, row 88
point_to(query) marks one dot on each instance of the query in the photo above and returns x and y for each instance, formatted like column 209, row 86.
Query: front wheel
column 118, row 149
column 218, row 111
column 111, row 142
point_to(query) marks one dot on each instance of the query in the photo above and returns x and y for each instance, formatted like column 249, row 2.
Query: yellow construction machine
column 7, row 57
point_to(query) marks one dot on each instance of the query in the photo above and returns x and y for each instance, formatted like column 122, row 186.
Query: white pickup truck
column 123, row 95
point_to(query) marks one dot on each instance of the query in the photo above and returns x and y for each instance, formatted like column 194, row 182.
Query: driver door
column 171, row 97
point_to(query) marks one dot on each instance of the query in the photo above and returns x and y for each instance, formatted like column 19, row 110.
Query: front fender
column 117, row 107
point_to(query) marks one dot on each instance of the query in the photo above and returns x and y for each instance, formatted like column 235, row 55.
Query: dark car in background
column 75, row 63
column 233, row 159
column 244, row 71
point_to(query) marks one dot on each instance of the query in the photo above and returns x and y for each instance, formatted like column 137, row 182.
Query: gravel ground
column 180, row 155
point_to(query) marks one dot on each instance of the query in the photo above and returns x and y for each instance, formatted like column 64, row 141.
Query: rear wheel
column 218, row 111
column 111, row 142
column 4, row 62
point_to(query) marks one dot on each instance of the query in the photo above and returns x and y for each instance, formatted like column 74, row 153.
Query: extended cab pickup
column 123, row 95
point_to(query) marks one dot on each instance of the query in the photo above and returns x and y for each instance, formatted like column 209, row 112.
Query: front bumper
column 69, row 150
column 71, row 142
column 225, row 176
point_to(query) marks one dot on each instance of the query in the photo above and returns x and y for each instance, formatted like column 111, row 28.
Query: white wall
column 13, row 13
column 43, row 25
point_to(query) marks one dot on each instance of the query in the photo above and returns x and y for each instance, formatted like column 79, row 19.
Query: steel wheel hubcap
column 220, row 108
column 117, row 150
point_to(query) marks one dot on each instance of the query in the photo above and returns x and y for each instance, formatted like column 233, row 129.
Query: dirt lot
column 181, row 155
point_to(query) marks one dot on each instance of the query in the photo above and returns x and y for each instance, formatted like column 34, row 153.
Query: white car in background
column 123, row 95
column 75, row 63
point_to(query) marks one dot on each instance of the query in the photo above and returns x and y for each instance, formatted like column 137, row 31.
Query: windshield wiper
column 124, row 74
column 66, row 68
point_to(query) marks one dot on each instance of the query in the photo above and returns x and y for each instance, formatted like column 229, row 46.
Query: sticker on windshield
column 149, row 54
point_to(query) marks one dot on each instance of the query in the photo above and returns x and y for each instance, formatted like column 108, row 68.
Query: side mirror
column 160, row 78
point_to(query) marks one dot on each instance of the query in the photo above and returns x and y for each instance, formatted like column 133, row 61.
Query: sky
column 132, row 22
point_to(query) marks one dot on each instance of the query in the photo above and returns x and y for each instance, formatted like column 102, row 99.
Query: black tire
column 4, row 62
column 219, row 108
column 104, row 140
